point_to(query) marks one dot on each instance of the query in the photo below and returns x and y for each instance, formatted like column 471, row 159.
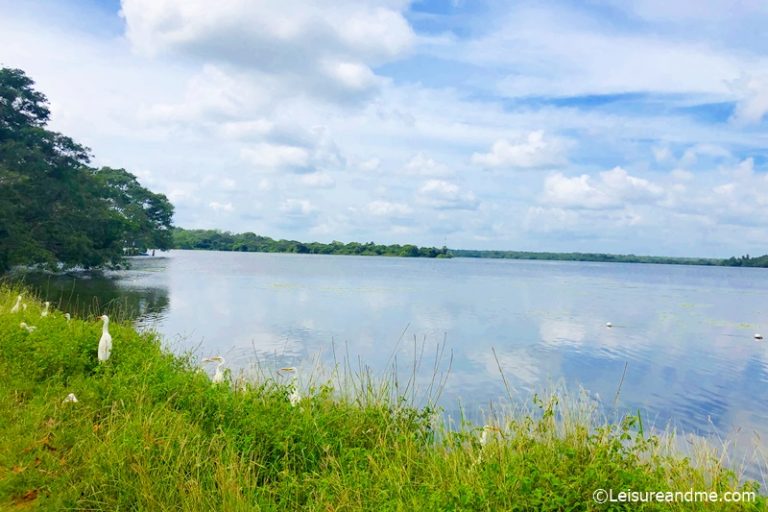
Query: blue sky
column 599, row 125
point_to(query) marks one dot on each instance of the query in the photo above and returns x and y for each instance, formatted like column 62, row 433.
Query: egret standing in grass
column 17, row 306
column 44, row 313
column 294, row 397
column 218, row 375
column 105, row 343
column 68, row 316
column 28, row 328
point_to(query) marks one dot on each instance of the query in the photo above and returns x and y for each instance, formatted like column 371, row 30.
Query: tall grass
column 151, row 432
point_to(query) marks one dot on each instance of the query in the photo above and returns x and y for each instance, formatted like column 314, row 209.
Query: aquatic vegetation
column 148, row 431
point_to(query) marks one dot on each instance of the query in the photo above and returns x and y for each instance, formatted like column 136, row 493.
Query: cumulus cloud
column 529, row 152
column 317, row 180
column 276, row 156
column 753, row 106
column 325, row 47
column 613, row 189
column 445, row 195
column 423, row 165
column 223, row 207
column 388, row 209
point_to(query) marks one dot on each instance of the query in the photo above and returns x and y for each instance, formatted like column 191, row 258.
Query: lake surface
column 685, row 333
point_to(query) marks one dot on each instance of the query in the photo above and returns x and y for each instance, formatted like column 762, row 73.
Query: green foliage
column 214, row 240
column 54, row 208
column 151, row 432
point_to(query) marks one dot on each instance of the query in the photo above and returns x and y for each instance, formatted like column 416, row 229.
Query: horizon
column 562, row 127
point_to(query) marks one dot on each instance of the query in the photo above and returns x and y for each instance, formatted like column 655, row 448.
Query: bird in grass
column 294, row 397
column 68, row 316
column 16, row 307
column 105, row 343
column 218, row 375
column 28, row 328
column 71, row 398
column 44, row 312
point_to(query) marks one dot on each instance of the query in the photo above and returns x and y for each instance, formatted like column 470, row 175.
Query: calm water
column 686, row 333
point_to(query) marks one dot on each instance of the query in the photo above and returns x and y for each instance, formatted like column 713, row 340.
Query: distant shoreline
column 215, row 240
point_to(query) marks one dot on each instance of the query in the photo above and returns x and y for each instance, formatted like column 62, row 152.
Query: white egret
column 294, row 397
column 44, row 313
column 71, row 398
column 17, row 306
column 218, row 375
column 105, row 343
column 28, row 328
column 68, row 316
column 758, row 336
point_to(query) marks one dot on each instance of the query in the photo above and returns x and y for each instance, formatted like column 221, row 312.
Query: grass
column 150, row 432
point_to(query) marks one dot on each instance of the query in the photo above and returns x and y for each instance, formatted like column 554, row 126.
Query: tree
column 55, row 210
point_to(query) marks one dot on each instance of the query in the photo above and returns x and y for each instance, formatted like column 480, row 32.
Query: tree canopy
column 55, row 209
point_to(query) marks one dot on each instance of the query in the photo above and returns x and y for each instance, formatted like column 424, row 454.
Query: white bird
column 105, row 343
column 218, row 375
column 17, row 306
column 608, row 324
column 68, row 316
column 294, row 397
column 758, row 336
column 70, row 398
column 44, row 313
column 28, row 328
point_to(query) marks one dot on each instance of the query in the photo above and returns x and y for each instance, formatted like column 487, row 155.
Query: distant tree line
column 743, row 261
column 215, row 240
column 747, row 261
column 55, row 210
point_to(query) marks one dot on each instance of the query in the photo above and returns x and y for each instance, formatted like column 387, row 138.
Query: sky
column 598, row 125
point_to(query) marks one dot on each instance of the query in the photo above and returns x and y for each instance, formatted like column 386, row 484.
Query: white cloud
column 217, row 206
column 388, row 209
column 446, row 195
column 276, row 156
column 614, row 189
column 317, row 180
column 321, row 48
column 421, row 164
column 297, row 207
column 529, row 152
column 753, row 106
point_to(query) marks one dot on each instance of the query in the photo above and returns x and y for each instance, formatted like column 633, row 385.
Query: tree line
column 215, row 240
column 56, row 211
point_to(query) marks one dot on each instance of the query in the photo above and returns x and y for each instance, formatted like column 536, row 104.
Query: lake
column 685, row 333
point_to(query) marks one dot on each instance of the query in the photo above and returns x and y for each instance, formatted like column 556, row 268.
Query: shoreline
column 151, row 430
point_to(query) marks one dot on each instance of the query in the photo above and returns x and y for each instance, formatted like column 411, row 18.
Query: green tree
column 55, row 209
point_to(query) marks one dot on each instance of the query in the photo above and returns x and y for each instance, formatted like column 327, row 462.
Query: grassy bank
column 151, row 432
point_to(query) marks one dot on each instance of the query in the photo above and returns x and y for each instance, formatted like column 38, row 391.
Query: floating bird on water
column 70, row 398
column 17, row 306
column 608, row 324
column 105, row 343
column 758, row 336
column 28, row 328
column 218, row 375
column 45, row 309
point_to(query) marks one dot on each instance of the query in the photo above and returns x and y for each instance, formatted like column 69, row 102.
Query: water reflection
column 685, row 333
column 131, row 296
